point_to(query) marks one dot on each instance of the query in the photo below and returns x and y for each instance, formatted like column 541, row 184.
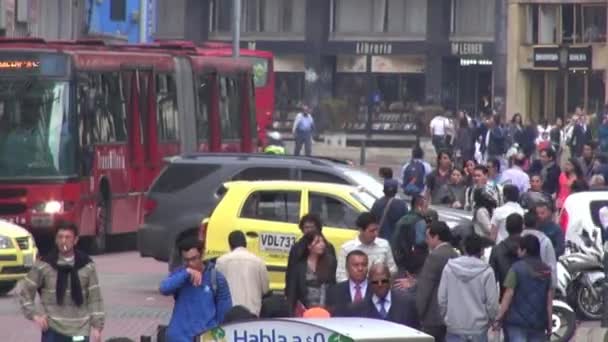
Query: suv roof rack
column 325, row 161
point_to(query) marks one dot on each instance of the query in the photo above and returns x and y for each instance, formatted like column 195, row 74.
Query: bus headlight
column 6, row 242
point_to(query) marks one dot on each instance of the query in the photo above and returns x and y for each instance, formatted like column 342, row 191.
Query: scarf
column 65, row 271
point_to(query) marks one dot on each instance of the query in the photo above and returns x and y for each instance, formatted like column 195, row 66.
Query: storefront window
column 353, row 17
column 289, row 93
column 473, row 18
column 261, row 16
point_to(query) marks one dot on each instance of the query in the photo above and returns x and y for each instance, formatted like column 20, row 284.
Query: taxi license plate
column 273, row 242
column 28, row 260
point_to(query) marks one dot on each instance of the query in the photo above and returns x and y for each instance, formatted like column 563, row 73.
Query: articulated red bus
column 84, row 128
column 263, row 73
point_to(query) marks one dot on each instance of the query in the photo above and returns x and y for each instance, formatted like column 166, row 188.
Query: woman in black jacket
column 312, row 274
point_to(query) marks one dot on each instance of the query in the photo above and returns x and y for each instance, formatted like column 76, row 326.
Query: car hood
column 453, row 217
column 12, row 230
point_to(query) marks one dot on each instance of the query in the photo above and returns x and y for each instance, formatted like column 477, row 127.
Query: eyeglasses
column 381, row 282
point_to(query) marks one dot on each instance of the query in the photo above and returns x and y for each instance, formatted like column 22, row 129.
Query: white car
column 584, row 217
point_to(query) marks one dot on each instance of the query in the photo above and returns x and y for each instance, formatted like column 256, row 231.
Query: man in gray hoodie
column 468, row 283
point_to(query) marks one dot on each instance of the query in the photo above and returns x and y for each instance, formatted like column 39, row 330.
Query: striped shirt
column 67, row 319
column 378, row 251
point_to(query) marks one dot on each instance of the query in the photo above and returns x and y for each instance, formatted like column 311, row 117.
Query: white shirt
column 247, row 278
column 387, row 302
column 516, row 176
column 499, row 218
column 378, row 251
column 353, row 290
column 439, row 125
column 547, row 252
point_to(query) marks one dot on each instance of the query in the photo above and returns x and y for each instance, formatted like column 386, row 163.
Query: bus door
column 152, row 154
column 135, row 147
column 230, row 110
column 184, row 79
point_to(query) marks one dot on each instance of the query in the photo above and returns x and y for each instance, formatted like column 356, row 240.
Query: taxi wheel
column 6, row 287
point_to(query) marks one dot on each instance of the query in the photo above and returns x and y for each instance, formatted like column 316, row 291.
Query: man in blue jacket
column 201, row 293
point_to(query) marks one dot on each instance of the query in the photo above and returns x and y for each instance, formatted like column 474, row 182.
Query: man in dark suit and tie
column 383, row 303
column 344, row 295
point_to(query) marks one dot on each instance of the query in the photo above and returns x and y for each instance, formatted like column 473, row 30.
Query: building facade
column 49, row 19
column 120, row 19
column 398, row 54
column 558, row 59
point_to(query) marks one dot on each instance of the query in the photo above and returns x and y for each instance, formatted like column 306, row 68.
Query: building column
column 499, row 64
column 319, row 70
column 437, row 42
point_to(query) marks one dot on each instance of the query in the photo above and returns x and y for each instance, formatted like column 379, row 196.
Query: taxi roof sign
column 313, row 330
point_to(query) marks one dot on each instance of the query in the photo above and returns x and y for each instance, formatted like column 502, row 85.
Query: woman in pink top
column 572, row 172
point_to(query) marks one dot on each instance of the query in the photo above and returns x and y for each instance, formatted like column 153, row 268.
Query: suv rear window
column 177, row 177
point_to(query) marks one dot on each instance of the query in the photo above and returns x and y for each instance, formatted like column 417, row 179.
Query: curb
column 592, row 334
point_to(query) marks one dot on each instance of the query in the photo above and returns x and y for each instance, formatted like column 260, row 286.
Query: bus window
column 203, row 103
column 230, row 108
column 167, row 112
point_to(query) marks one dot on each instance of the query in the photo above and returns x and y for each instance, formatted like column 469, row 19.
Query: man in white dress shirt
column 378, row 250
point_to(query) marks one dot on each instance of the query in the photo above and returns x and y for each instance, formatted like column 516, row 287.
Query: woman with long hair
column 571, row 175
column 482, row 213
column 313, row 273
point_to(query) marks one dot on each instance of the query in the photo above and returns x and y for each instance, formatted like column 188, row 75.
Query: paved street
column 130, row 289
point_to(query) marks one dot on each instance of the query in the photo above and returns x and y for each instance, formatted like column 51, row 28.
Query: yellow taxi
column 17, row 254
column 268, row 213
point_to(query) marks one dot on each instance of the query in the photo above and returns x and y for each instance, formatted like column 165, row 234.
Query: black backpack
column 413, row 178
column 404, row 237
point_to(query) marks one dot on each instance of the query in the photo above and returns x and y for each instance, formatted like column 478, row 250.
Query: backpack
column 413, row 178
column 404, row 237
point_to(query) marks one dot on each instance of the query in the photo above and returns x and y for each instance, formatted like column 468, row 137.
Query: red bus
column 85, row 127
column 263, row 72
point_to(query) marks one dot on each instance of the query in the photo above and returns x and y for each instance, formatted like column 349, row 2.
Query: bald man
column 386, row 303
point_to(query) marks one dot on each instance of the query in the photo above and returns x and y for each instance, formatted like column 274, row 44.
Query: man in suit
column 438, row 236
column 344, row 295
column 493, row 139
column 383, row 303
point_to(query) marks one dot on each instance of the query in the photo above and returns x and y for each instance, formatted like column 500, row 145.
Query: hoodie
column 468, row 282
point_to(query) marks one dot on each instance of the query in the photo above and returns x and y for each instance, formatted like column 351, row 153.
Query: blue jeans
column 517, row 334
column 467, row 338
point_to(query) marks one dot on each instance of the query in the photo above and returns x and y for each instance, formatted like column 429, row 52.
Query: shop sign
column 546, row 57
column 368, row 48
column 271, row 331
column 579, row 57
column 467, row 49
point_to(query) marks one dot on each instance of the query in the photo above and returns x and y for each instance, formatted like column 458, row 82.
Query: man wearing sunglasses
column 384, row 303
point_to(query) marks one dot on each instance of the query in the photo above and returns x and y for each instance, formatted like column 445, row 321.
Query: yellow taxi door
column 338, row 214
column 269, row 220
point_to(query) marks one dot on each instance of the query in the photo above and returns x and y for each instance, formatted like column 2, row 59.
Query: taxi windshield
column 35, row 139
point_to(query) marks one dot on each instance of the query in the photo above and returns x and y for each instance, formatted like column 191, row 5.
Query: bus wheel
column 102, row 225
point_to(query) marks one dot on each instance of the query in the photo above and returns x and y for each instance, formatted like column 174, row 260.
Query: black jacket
column 402, row 310
column 296, row 289
column 339, row 300
column 503, row 256
column 295, row 253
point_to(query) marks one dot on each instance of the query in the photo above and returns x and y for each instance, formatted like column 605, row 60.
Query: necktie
column 358, row 294
column 382, row 311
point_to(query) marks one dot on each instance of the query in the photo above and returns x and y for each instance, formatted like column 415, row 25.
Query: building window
column 118, row 10
column 261, row 16
column 584, row 23
column 379, row 16
column 473, row 18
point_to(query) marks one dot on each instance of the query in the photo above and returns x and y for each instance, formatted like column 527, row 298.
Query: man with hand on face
column 344, row 295
column 202, row 296
column 72, row 307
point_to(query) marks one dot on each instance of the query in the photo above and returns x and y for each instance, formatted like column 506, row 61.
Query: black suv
column 190, row 186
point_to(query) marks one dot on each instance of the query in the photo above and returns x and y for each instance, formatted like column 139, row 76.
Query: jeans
column 516, row 334
column 306, row 141
column 53, row 336
column 467, row 338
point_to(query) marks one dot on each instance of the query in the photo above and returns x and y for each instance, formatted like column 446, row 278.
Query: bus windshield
column 35, row 139
column 260, row 70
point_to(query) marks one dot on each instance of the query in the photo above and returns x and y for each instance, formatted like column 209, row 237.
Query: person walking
column 547, row 252
column 535, row 195
column 527, row 305
column 389, row 208
column 70, row 297
column 504, row 254
column 408, row 242
column 312, row 275
column 482, row 213
column 439, row 127
column 344, row 295
column 552, row 230
column 550, row 171
column 386, row 303
column 245, row 272
column 468, row 282
column 499, row 217
column 438, row 237
column 436, row 181
column 201, row 294
column 516, row 175
column 303, row 131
